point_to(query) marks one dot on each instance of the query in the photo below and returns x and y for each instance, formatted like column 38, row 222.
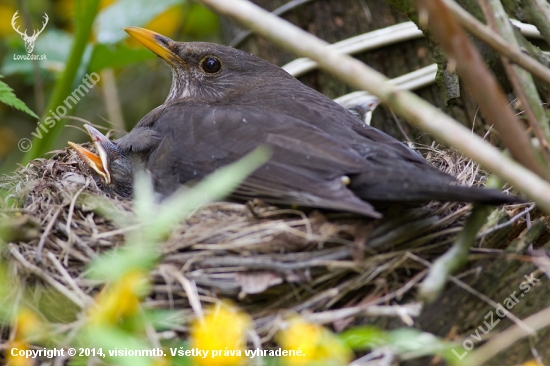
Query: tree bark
column 335, row 20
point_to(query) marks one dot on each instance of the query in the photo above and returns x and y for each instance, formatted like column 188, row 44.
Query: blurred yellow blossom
column 28, row 326
column 121, row 299
column 222, row 332
column 105, row 3
column 166, row 23
column 317, row 344
column 531, row 363
column 17, row 360
column 6, row 14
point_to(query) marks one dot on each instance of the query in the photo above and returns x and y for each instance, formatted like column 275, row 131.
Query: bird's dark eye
column 211, row 65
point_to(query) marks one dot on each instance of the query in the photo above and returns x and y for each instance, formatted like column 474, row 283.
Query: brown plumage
column 224, row 103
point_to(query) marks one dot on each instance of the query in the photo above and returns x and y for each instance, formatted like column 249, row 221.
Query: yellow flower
column 531, row 363
column 165, row 23
column 313, row 345
column 6, row 14
column 222, row 333
column 27, row 327
column 120, row 300
column 13, row 357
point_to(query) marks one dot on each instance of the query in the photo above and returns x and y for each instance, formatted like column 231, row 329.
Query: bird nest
column 331, row 267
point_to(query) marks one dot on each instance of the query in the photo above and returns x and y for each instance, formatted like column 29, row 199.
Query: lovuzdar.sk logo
column 29, row 40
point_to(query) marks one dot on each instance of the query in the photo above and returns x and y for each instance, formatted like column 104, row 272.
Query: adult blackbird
column 223, row 103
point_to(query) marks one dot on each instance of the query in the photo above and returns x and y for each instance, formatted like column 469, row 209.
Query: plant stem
column 86, row 11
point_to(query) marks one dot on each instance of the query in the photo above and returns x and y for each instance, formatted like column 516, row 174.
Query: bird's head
column 206, row 71
column 114, row 169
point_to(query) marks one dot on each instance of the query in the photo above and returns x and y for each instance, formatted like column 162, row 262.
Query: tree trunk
column 336, row 20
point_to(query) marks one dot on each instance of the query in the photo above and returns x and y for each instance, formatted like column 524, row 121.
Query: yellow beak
column 93, row 161
column 155, row 42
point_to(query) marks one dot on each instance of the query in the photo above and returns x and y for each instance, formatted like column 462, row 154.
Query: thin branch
column 411, row 310
column 528, row 30
column 45, row 235
column 507, row 338
column 497, row 43
column 520, row 323
column 383, row 37
column 364, row 42
column 411, row 81
column 279, row 11
column 46, row 277
column 406, row 104
column 522, row 81
column 69, row 280
column 331, row 315
column 540, row 15
column 481, row 83
column 507, row 223
column 455, row 257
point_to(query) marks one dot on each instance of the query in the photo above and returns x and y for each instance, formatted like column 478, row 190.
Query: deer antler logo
column 29, row 41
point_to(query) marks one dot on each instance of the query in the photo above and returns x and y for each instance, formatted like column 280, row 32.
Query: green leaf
column 114, row 264
column 364, row 337
column 105, row 207
column 200, row 22
column 412, row 342
column 271, row 361
column 164, row 319
column 216, row 186
column 124, row 13
column 176, row 345
column 144, row 198
column 107, row 56
column 8, row 97
column 417, row 342
column 8, row 304
column 114, row 340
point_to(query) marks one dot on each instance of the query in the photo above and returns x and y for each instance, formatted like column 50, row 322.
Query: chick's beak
column 99, row 163
column 155, row 42
column 92, row 160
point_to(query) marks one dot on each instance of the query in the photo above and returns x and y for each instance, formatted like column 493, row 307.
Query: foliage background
column 140, row 86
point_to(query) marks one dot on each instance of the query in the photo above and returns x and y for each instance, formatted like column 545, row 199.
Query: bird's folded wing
column 308, row 167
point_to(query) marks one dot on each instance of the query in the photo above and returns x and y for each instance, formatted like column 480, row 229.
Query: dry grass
column 334, row 268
